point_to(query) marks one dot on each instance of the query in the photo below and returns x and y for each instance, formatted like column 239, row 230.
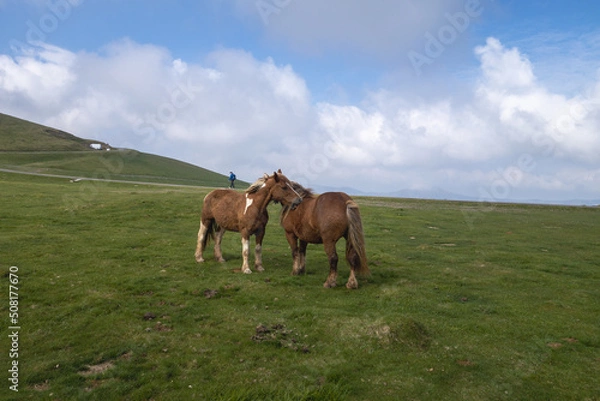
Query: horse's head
column 283, row 192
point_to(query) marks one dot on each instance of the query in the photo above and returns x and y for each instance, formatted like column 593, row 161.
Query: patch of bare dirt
column 149, row 316
column 278, row 334
column 159, row 326
column 409, row 333
column 91, row 370
column 45, row 386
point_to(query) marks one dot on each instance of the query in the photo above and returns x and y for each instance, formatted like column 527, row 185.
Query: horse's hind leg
column 302, row 257
column 202, row 232
column 354, row 262
column 258, row 251
column 333, row 260
column 352, row 282
column 218, row 238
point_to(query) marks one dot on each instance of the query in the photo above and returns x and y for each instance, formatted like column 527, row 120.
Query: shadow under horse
column 246, row 213
column 324, row 219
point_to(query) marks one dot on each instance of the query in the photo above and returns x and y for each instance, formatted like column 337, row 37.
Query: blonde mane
column 258, row 184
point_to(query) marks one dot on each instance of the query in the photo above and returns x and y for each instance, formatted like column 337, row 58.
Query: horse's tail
column 211, row 227
column 210, row 233
column 355, row 243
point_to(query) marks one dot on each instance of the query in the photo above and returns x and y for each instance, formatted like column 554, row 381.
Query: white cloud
column 235, row 112
column 39, row 76
column 503, row 68
column 529, row 113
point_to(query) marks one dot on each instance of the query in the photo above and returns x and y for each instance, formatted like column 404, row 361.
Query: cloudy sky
column 495, row 100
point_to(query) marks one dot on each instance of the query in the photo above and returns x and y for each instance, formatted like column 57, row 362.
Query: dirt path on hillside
column 75, row 178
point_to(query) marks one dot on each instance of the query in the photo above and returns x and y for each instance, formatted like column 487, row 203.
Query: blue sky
column 492, row 100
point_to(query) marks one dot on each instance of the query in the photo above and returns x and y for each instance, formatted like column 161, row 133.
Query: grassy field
column 465, row 302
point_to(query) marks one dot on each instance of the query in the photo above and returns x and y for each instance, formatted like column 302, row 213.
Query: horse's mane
column 257, row 185
column 303, row 192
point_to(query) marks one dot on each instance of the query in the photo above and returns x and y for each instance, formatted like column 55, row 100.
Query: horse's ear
column 276, row 176
column 279, row 171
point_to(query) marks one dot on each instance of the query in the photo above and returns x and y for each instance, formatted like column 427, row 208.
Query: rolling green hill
column 32, row 148
column 22, row 135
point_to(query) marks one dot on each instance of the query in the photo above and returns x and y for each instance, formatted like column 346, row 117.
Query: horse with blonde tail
column 324, row 219
column 246, row 213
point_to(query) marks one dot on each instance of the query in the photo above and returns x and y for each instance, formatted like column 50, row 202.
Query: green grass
column 501, row 307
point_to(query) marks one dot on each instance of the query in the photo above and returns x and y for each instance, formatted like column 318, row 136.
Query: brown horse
column 325, row 219
column 246, row 213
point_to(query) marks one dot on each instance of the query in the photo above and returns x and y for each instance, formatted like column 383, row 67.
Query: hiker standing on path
column 231, row 180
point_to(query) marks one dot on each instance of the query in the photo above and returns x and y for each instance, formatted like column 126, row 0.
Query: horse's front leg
column 245, row 253
column 302, row 257
column 258, row 251
column 333, row 260
column 293, row 241
column 218, row 238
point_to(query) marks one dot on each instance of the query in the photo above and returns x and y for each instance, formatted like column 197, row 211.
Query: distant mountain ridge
column 441, row 194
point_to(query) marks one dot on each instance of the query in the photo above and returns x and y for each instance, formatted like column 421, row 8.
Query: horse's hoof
column 220, row 260
column 247, row 271
column 199, row 260
column 329, row 285
column 260, row 269
column 352, row 285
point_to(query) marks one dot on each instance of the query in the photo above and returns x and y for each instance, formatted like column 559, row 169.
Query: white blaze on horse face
column 248, row 203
